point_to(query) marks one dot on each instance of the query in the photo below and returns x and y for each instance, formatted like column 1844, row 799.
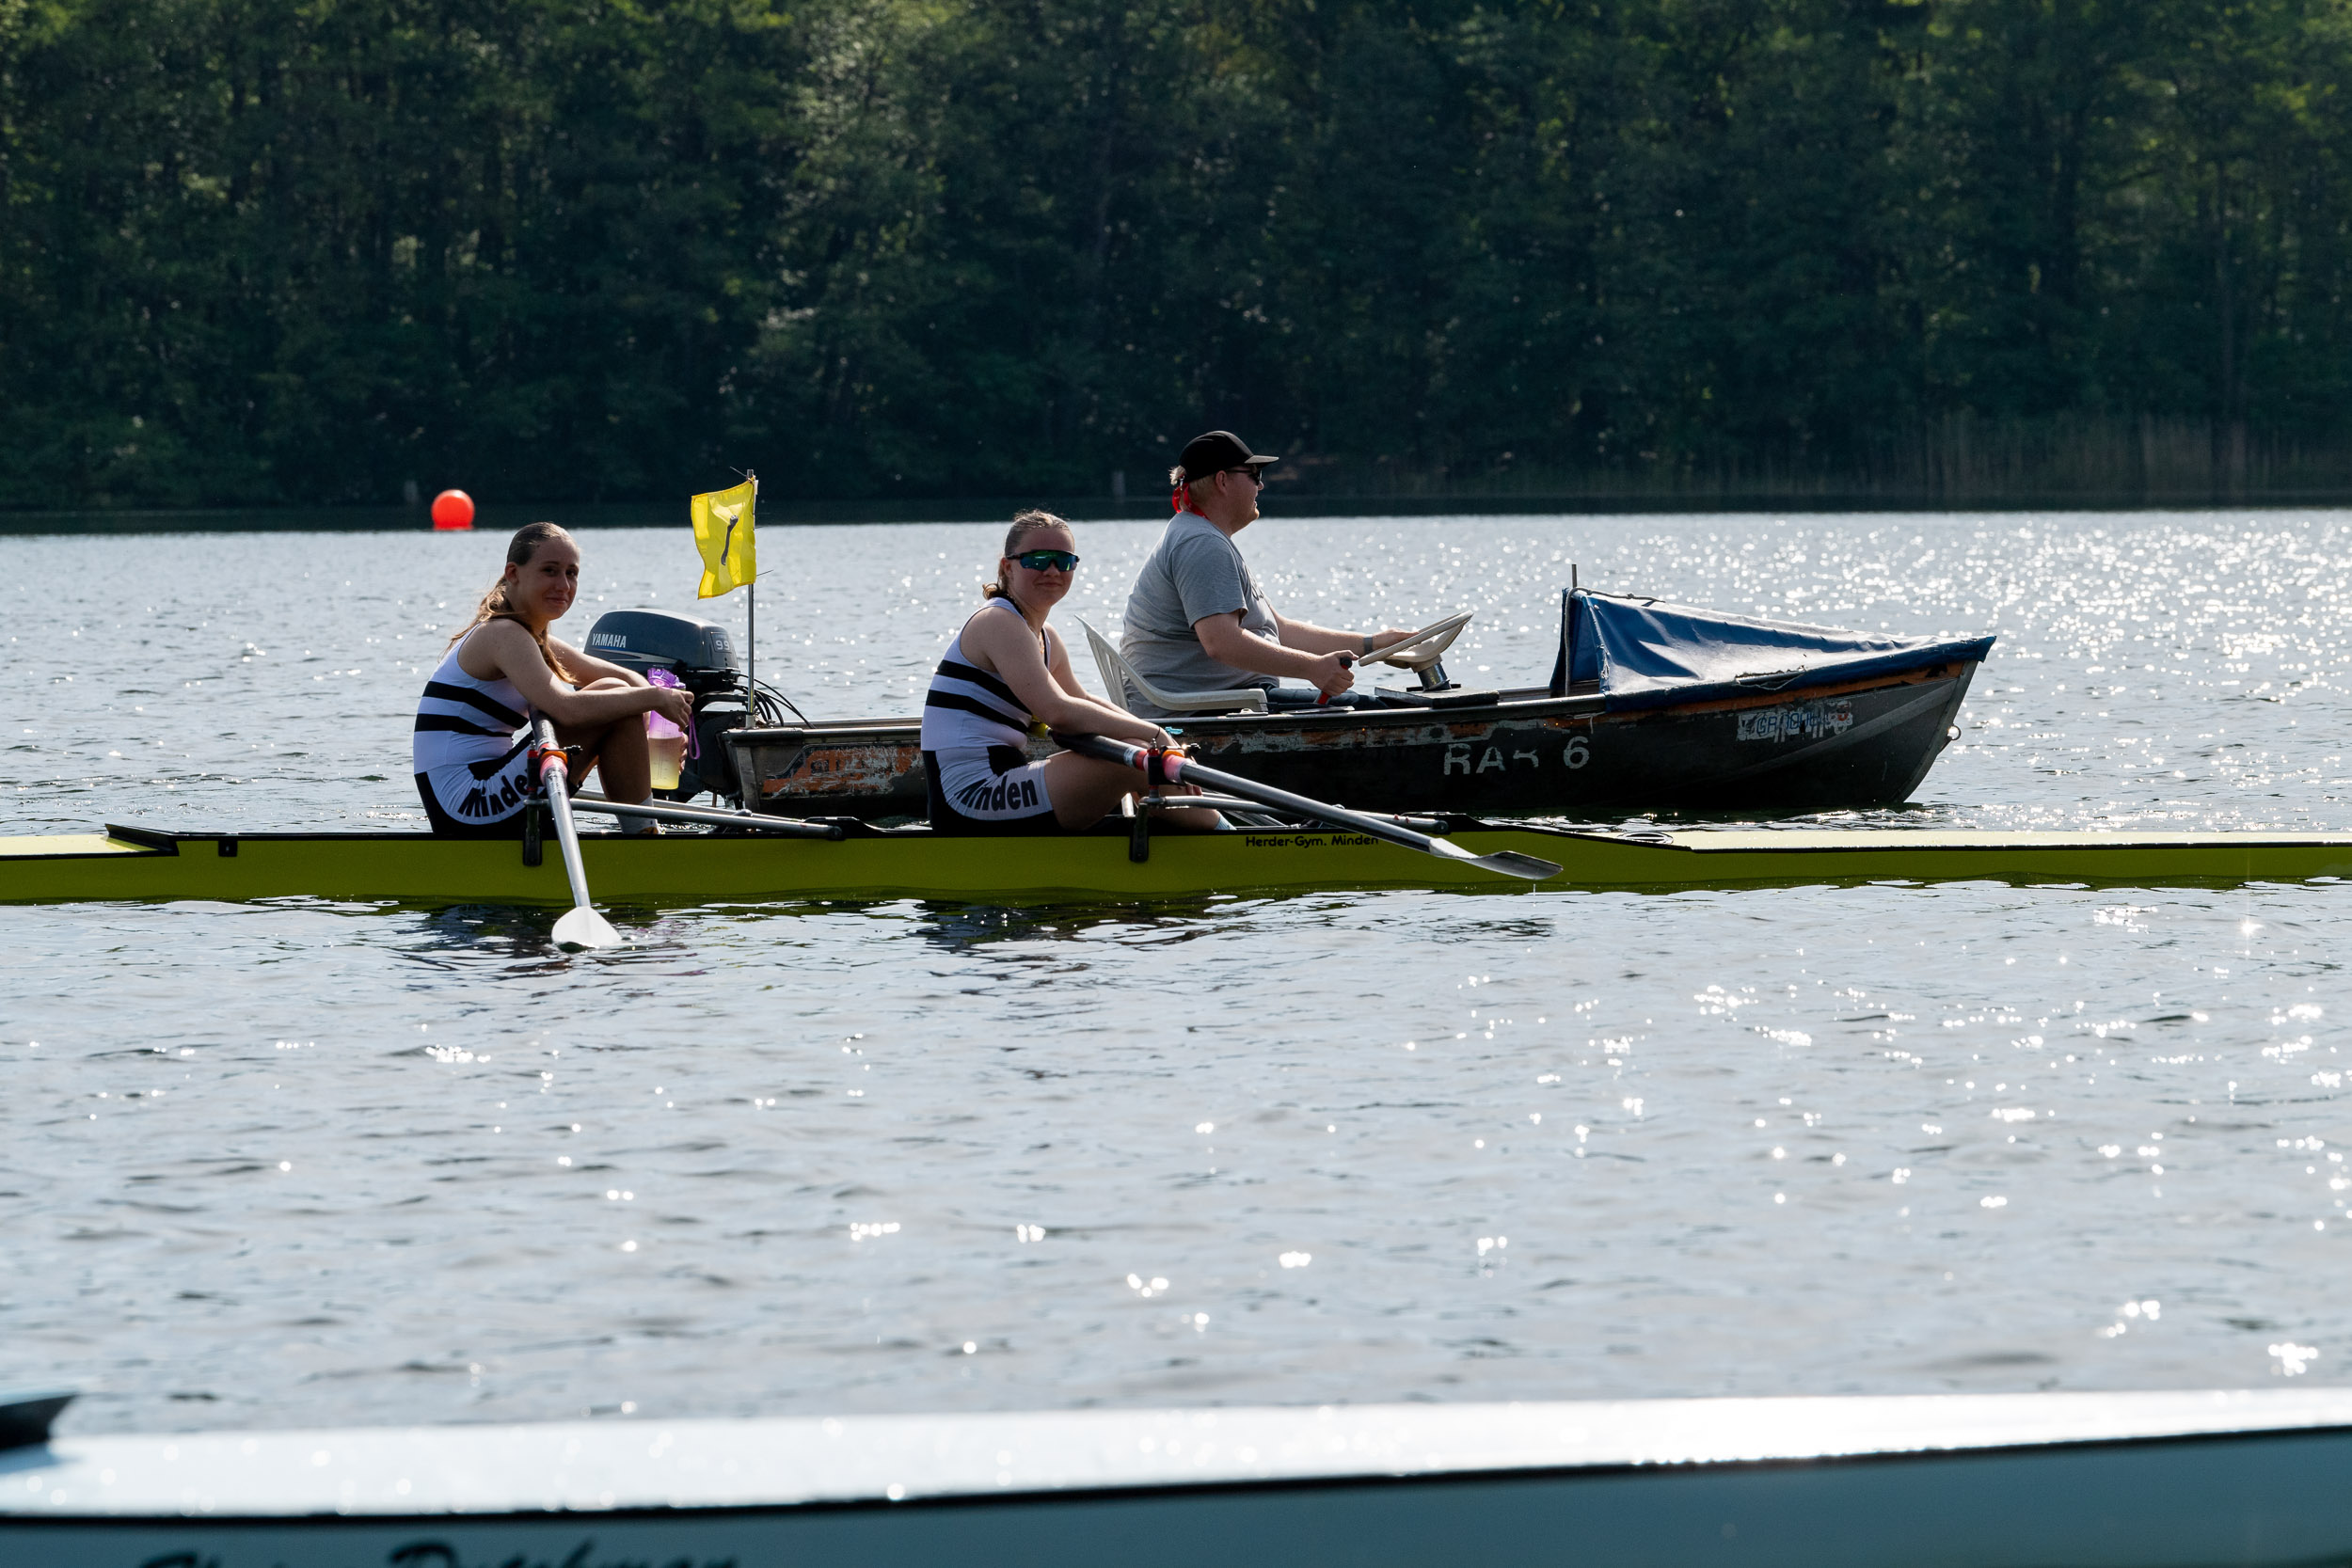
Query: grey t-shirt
column 1194, row 573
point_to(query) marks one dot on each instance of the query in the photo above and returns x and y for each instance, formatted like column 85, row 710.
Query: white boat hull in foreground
column 2038, row 1480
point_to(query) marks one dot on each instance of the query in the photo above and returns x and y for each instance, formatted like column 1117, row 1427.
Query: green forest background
column 261, row 252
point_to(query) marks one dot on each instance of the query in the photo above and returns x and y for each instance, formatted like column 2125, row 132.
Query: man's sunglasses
column 1039, row 561
column 1257, row 476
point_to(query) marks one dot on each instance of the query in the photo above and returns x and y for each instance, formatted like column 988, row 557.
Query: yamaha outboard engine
column 701, row 655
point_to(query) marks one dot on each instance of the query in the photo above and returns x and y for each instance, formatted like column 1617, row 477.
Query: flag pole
column 750, row 654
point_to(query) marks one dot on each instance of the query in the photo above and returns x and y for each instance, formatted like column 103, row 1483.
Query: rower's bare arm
column 588, row 667
column 1095, row 717
column 1050, row 693
column 1064, row 677
column 516, row 656
column 1223, row 639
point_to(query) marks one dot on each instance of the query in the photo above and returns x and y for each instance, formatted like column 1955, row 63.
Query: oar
column 1221, row 802
column 1183, row 769
column 583, row 927
column 756, row 822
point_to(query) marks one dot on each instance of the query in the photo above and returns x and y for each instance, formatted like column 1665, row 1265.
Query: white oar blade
column 1506, row 863
column 1512, row 863
column 583, row 928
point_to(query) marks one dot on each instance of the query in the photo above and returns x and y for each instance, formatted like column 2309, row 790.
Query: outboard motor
column 701, row 654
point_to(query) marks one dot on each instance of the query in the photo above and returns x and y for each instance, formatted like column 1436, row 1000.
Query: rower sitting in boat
column 1005, row 676
column 472, row 769
column 1197, row 622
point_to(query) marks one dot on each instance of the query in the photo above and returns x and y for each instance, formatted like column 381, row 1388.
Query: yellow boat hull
column 677, row 870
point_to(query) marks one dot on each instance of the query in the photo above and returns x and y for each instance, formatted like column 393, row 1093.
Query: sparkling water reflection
column 317, row 1162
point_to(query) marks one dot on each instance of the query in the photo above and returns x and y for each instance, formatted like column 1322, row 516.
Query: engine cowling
column 700, row 653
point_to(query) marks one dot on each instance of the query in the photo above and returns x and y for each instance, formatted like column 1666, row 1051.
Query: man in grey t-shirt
column 1196, row 621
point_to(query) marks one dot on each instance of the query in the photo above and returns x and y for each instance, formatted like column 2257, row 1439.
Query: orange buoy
column 452, row 509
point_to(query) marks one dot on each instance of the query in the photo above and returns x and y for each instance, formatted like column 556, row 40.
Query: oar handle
column 1158, row 765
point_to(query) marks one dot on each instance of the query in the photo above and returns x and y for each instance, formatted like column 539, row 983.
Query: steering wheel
column 1426, row 646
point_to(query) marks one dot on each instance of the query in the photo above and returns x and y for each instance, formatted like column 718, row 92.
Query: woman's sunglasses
column 1039, row 561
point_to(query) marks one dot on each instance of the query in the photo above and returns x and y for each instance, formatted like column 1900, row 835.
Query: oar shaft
column 555, row 783
column 1176, row 769
column 1189, row 772
column 753, row 820
column 1219, row 802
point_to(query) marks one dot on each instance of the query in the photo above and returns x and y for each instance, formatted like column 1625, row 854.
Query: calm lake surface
column 310, row 1163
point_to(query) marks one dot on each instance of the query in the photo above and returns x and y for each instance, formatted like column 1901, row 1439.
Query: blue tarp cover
column 1646, row 653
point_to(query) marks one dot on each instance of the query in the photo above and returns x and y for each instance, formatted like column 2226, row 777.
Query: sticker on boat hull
column 1797, row 721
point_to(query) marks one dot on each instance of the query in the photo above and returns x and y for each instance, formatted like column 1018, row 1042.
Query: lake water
column 310, row 1163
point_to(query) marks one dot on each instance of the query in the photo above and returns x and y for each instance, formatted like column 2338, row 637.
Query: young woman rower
column 472, row 769
column 1006, row 674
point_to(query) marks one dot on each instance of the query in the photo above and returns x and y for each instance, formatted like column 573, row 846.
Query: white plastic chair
column 1120, row 678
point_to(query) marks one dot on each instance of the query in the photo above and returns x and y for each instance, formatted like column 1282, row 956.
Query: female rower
column 1006, row 675
column 472, row 769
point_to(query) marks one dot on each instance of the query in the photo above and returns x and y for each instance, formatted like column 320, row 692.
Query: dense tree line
column 317, row 250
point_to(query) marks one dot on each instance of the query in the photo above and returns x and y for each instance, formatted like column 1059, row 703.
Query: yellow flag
column 723, row 531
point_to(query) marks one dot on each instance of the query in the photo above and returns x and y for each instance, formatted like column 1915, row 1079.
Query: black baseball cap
column 1216, row 452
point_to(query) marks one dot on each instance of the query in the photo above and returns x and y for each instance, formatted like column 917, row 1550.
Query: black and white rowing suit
column 472, row 770
column 975, row 737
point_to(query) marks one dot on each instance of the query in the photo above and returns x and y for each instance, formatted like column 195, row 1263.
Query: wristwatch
column 1367, row 643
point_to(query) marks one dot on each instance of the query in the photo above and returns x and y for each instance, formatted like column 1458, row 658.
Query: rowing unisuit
column 1006, row 673
column 471, row 764
column 976, row 736
column 503, row 669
